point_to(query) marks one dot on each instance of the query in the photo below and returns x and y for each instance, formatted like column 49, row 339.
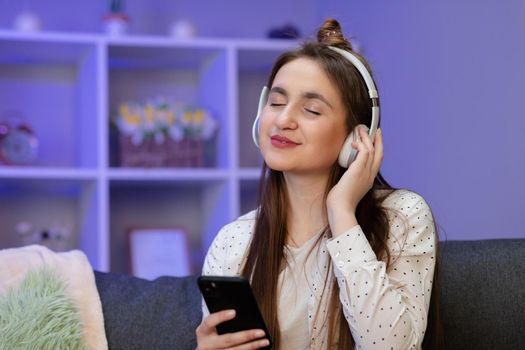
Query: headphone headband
column 372, row 91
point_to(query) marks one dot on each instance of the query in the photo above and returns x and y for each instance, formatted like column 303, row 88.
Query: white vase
column 183, row 29
column 116, row 24
column 27, row 22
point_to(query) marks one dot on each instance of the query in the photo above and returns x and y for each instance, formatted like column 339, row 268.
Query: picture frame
column 156, row 252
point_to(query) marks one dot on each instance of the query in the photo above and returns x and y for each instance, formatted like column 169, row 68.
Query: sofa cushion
column 483, row 294
column 141, row 314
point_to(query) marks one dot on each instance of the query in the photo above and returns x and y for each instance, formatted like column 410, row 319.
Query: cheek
column 332, row 140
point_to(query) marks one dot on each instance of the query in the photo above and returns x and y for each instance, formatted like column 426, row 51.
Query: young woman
column 337, row 258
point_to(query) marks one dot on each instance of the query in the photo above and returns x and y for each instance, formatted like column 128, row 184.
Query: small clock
column 18, row 145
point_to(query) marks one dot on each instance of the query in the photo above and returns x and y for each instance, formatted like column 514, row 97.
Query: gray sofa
column 482, row 301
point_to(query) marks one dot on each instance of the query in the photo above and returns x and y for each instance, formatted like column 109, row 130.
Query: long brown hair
column 265, row 257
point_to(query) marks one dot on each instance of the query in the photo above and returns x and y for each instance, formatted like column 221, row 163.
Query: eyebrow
column 307, row 95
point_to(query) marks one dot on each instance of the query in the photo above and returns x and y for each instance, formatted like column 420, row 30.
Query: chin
column 295, row 164
column 298, row 170
column 278, row 165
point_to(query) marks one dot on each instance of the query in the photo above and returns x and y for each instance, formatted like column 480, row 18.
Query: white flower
column 176, row 133
column 209, row 125
column 137, row 137
column 125, row 127
column 160, row 118
column 159, row 138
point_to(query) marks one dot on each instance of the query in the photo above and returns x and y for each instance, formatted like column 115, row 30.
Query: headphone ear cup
column 255, row 127
column 348, row 153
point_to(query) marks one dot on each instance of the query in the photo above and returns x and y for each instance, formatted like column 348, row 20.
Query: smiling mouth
column 282, row 142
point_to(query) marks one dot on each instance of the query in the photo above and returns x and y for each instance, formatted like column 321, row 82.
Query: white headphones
column 347, row 154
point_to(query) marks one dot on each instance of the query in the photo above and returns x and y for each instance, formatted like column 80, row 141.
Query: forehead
column 306, row 75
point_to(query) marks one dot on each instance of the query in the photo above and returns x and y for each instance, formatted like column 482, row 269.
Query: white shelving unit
column 67, row 86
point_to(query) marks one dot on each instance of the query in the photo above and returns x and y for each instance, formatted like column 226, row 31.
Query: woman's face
column 302, row 127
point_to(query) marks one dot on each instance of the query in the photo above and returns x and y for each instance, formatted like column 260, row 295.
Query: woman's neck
column 307, row 209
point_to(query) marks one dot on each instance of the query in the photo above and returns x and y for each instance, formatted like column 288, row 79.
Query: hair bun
column 331, row 34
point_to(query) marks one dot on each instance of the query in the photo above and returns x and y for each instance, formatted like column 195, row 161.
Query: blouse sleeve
column 387, row 308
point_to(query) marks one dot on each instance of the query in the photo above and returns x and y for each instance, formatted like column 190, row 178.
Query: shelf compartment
column 194, row 76
column 52, row 86
column 201, row 208
column 40, row 49
column 49, row 204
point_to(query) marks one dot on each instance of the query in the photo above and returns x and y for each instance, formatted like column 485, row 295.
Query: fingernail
column 259, row 333
column 265, row 342
column 231, row 313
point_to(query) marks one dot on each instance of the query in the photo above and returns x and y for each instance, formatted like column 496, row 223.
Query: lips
column 282, row 142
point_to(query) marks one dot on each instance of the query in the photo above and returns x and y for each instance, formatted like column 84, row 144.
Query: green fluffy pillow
column 38, row 315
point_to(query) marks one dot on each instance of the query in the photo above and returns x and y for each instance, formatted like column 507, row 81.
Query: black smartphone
column 226, row 292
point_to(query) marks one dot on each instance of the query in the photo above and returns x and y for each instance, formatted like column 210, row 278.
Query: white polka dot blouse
column 385, row 308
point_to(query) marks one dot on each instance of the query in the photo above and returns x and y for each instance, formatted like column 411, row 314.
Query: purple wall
column 224, row 18
column 450, row 73
column 452, row 79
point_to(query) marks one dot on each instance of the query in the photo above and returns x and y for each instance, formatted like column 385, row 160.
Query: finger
column 257, row 344
column 365, row 138
column 212, row 320
column 362, row 155
column 250, row 339
column 378, row 152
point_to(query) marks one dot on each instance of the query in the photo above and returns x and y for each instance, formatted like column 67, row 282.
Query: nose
column 285, row 118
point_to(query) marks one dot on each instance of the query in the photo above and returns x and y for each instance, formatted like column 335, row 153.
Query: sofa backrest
column 482, row 301
column 483, row 294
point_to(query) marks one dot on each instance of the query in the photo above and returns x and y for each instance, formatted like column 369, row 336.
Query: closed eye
column 276, row 104
column 312, row 112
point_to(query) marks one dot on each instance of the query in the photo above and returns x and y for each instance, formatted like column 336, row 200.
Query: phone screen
column 224, row 293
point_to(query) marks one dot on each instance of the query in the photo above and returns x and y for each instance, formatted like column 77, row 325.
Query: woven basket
column 185, row 153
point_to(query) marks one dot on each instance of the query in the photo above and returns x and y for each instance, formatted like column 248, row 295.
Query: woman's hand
column 344, row 197
column 207, row 337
